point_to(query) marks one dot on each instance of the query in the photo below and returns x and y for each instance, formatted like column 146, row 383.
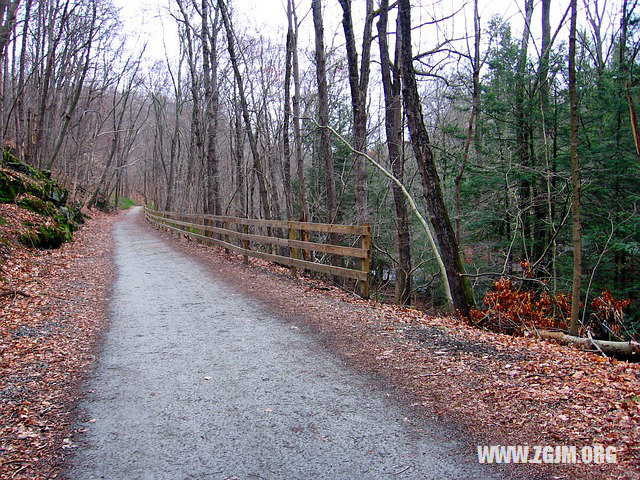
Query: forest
column 498, row 167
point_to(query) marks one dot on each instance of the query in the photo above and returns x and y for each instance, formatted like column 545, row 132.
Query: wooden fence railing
column 207, row 228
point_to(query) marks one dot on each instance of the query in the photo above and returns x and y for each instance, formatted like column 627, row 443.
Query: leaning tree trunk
column 461, row 293
column 253, row 144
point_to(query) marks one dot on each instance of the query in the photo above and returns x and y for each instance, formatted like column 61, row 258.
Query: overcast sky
column 148, row 20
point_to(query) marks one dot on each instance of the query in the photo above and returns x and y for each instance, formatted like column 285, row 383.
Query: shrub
column 513, row 310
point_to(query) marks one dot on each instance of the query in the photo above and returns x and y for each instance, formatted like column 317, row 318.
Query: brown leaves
column 609, row 311
column 516, row 310
column 42, row 356
column 512, row 310
column 498, row 388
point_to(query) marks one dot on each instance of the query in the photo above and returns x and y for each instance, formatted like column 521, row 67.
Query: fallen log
column 606, row 346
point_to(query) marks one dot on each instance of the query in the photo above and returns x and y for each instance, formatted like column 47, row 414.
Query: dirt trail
column 198, row 381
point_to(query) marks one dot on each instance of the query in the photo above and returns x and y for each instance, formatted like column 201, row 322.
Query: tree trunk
column 625, row 349
column 522, row 144
column 359, row 83
column 286, row 144
column 575, row 178
column 323, row 112
column 393, row 125
column 239, row 164
column 196, row 142
column 302, row 187
column 8, row 22
column 210, row 71
column 461, row 293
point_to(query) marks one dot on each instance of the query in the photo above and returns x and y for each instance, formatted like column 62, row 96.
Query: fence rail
column 206, row 228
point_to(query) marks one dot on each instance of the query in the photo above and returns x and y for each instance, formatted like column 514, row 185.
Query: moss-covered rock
column 34, row 190
column 13, row 184
column 17, row 178
column 73, row 216
column 46, row 236
column 36, row 205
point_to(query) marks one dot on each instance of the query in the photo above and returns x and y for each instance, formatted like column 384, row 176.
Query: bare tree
column 359, row 84
column 8, row 10
column 475, row 68
column 78, row 82
column 286, row 143
column 302, row 187
column 253, row 144
column 323, row 111
column 210, row 70
column 522, row 127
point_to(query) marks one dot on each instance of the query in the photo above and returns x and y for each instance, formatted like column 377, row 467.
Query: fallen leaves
column 498, row 388
column 52, row 310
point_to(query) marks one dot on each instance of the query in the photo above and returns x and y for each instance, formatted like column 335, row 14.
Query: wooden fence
column 207, row 228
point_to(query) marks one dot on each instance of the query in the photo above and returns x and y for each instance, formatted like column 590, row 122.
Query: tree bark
column 359, row 83
column 323, row 111
column 286, row 143
column 239, row 163
column 608, row 347
column 461, row 293
column 391, row 84
column 575, row 178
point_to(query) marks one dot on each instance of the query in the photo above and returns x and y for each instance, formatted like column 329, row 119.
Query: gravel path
column 197, row 381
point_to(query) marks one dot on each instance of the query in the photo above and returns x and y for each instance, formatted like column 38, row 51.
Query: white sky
column 148, row 19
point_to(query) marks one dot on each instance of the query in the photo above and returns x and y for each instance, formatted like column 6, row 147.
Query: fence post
column 365, row 244
column 293, row 252
column 245, row 243
column 304, row 236
column 225, row 225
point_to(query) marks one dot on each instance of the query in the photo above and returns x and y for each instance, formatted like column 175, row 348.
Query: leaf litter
column 497, row 389
column 53, row 308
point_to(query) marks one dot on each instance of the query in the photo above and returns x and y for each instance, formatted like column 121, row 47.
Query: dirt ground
column 498, row 389
column 493, row 389
column 198, row 380
column 53, row 310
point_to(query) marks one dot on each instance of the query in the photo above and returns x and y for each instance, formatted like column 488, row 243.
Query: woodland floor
column 496, row 389
column 198, row 380
column 53, row 308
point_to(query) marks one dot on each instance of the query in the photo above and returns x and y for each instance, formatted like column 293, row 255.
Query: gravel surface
column 196, row 380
